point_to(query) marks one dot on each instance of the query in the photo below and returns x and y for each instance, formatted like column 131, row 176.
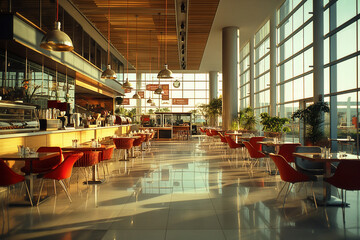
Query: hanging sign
column 126, row 101
column 165, row 88
column 152, row 87
column 180, row 101
column 127, row 90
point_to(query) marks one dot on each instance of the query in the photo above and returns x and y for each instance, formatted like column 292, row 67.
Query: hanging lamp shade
column 57, row 40
column 126, row 84
column 158, row 90
column 165, row 73
column 149, row 100
column 108, row 73
column 136, row 96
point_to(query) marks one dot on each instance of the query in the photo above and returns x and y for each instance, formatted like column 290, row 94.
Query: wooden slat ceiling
column 123, row 20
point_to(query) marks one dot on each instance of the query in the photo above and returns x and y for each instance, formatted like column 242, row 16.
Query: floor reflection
column 194, row 189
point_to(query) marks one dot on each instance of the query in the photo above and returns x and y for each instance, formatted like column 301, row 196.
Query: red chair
column 139, row 141
column 232, row 144
column 8, row 177
column 222, row 138
column 346, row 177
column 62, row 172
column 290, row 175
column 254, row 142
column 287, row 150
column 106, row 155
column 124, row 144
column 46, row 165
column 254, row 153
column 202, row 130
column 88, row 160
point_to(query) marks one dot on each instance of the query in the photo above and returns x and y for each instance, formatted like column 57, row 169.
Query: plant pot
column 273, row 134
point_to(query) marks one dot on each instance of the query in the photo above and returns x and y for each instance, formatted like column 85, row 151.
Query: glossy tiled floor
column 182, row 190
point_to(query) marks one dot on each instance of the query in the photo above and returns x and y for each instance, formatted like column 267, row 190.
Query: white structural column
column 318, row 21
column 213, row 84
column 230, row 66
column 138, row 101
column 273, row 65
column 213, row 90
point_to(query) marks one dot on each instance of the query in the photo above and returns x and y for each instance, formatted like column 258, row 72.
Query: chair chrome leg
column 41, row 187
column 65, row 190
column 287, row 192
column 28, row 193
column 314, row 197
column 54, row 187
column 282, row 188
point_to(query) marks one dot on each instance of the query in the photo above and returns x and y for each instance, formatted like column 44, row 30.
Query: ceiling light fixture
column 57, row 40
column 165, row 73
column 136, row 95
column 108, row 73
column 159, row 89
column 127, row 84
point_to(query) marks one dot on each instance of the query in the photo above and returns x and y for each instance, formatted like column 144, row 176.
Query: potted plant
column 313, row 118
column 212, row 110
column 247, row 119
column 273, row 126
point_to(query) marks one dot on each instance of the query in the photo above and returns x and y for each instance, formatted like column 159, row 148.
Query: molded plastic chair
column 346, row 177
column 222, row 138
column 62, row 172
column 306, row 166
column 8, row 177
column 289, row 175
column 254, row 153
column 286, row 150
column 45, row 165
column 254, row 142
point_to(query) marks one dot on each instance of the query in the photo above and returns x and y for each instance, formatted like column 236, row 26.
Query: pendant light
column 57, row 40
column 108, row 73
column 150, row 100
column 136, row 95
column 127, row 84
column 159, row 89
column 165, row 73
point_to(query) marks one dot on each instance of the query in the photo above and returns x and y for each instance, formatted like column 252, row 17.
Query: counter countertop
column 37, row 133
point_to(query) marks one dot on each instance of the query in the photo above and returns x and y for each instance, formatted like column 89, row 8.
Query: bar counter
column 60, row 138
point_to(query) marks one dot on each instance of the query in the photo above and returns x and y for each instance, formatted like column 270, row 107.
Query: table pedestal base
column 100, row 181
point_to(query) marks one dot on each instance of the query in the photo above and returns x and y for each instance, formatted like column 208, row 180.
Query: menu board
column 180, row 101
column 165, row 88
column 152, row 87
column 126, row 101
column 127, row 90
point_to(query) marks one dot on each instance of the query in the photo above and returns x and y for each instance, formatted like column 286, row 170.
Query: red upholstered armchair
column 45, row 165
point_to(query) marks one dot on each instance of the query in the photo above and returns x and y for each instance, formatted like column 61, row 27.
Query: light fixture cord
column 127, row 39
column 166, row 31
column 108, row 60
column 136, row 51
column 57, row 10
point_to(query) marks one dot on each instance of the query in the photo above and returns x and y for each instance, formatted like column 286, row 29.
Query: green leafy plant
column 211, row 110
column 247, row 119
column 313, row 118
column 273, row 124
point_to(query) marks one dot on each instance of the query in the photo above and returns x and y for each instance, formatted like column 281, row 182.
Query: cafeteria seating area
column 179, row 190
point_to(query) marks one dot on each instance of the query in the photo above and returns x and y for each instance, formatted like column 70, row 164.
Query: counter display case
column 18, row 117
